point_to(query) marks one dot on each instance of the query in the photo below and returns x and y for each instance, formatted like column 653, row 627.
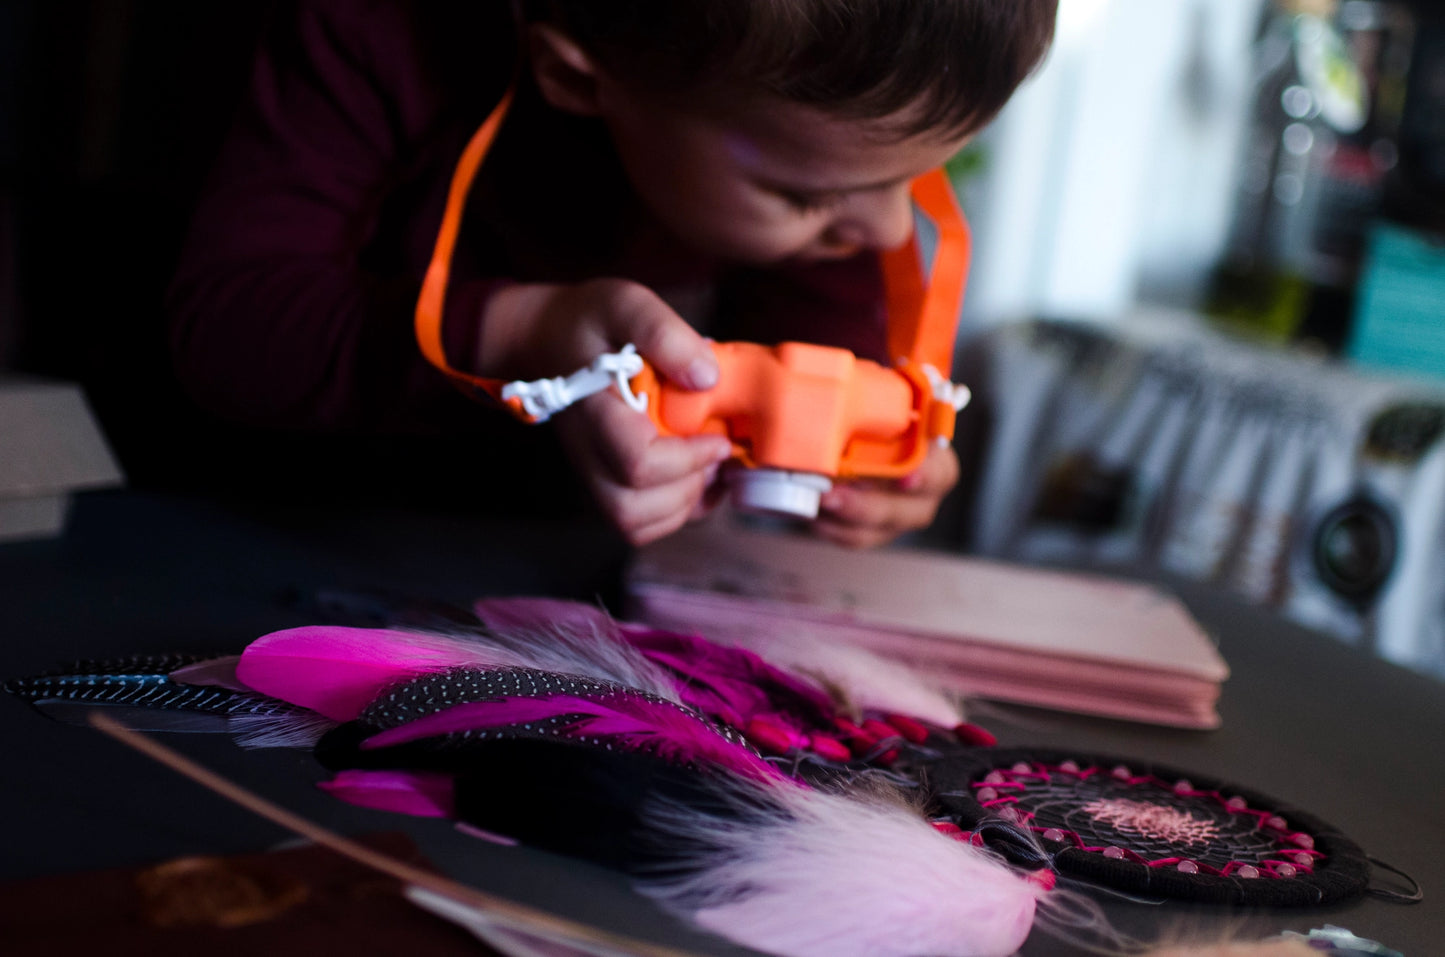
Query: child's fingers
column 863, row 516
column 868, row 513
column 661, row 528
column 936, row 476
column 676, row 350
column 849, row 535
column 627, row 445
column 646, row 484
column 641, row 514
column 667, row 459
column 644, row 515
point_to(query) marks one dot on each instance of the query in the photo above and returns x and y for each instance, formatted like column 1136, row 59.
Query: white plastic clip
column 544, row 398
column 953, row 393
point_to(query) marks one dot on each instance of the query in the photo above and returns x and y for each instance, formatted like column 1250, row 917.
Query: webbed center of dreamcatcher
column 1152, row 821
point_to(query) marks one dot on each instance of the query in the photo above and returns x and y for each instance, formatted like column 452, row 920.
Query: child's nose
column 881, row 219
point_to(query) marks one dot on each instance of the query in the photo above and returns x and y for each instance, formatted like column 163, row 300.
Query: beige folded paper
column 987, row 629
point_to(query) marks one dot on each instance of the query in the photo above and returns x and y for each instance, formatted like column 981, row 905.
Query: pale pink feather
column 530, row 614
column 830, row 875
column 868, row 680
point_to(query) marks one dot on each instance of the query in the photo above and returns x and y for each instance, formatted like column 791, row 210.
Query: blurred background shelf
column 1161, row 445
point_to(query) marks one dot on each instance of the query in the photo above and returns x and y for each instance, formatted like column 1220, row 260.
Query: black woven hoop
column 1230, row 845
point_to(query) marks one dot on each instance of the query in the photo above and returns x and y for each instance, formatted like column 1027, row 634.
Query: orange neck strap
column 922, row 317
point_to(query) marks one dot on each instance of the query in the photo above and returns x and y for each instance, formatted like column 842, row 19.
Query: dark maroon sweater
column 292, row 305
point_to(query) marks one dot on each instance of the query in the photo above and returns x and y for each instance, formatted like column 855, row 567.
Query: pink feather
column 733, row 684
column 419, row 793
column 729, row 683
column 627, row 720
column 339, row 671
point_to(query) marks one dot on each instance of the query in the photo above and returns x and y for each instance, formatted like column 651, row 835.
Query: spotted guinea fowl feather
column 620, row 719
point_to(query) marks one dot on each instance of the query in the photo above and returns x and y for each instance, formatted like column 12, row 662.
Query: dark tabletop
column 1353, row 740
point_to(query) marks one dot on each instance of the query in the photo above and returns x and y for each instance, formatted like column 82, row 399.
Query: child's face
column 781, row 183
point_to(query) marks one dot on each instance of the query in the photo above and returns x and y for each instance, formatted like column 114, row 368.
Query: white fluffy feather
column 856, row 875
column 300, row 730
column 584, row 649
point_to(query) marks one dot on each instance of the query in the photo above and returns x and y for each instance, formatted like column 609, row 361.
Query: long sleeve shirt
column 292, row 305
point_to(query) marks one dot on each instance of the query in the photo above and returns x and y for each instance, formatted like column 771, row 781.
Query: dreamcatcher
column 848, row 815
column 1150, row 830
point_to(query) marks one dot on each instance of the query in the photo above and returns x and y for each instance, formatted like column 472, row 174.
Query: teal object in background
column 1400, row 307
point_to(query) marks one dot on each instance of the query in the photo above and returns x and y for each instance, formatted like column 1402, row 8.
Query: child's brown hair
column 946, row 65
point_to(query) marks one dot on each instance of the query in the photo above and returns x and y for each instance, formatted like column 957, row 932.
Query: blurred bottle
column 1415, row 193
column 1329, row 91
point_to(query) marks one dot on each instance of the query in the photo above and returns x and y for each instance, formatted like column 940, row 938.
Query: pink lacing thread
column 1152, row 821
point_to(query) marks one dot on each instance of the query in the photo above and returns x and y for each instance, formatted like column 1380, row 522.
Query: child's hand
column 869, row 512
column 647, row 484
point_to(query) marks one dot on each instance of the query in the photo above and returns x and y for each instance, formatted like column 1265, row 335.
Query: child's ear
column 566, row 74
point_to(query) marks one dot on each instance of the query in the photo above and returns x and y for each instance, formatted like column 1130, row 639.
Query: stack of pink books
column 984, row 629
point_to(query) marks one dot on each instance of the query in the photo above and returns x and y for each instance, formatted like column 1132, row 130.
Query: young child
column 670, row 170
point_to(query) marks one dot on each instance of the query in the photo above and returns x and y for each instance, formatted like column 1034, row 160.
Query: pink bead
column 1009, row 814
column 1188, row 867
column 994, row 777
column 1302, row 859
column 1301, row 839
column 769, row 738
column 1070, row 766
column 1236, row 804
column 1114, row 853
column 1285, row 870
column 1277, row 822
column 1022, row 768
column 879, row 730
column 1122, row 772
column 974, row 735
column 1183, row 786
column 1043, row 877
column 856, row 738
column 986, row 794
column 830, row 749
column 1248, row 871
column 912, row 731
column 1053, row 834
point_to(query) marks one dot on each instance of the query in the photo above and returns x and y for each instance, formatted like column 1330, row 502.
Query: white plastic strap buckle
column 544, row 398
column 953, row 393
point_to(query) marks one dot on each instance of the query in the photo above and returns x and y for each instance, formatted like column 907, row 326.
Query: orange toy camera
column 798, row 415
